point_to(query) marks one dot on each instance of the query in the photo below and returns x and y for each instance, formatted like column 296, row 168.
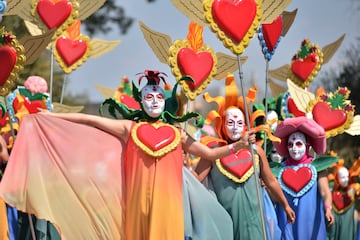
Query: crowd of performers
column 142, row 176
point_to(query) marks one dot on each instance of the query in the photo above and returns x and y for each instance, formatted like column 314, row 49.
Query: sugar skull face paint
column 275, row 156
column 153, row 99
column 234, row 123
column 297, row 145
column 343, row 177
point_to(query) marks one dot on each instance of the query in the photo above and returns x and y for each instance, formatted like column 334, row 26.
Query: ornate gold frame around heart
column 161, row 152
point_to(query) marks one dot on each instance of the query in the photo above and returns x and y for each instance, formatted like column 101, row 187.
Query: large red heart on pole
column 54, row 14
column 71, row 50
column 197, row 65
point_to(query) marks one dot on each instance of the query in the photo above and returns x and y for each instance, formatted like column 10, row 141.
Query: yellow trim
column 234, row 178
column 161, row 152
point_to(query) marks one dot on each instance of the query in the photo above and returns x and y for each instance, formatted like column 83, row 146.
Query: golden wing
column 330, row 49
column 354, row 127
column 100, row 47
column 272, row 9
column 87, row 8
column 276, row 89
column 33, row 29
column 300, row 96
column 226, row 64
column 105, row 91
column 160, row 43
column 281, row 73
column 288, row 19
column 193, row 9
column 21, row 8
column 62, row 108
column 35, row 45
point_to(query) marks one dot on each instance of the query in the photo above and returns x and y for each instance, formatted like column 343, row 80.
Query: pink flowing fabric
column 69, row 174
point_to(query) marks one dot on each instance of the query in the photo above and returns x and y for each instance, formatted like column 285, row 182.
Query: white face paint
column 297, row 145
column 343, row 177
column 234, row 123
column 153, row 100
column 275, row 156
column 272, row 120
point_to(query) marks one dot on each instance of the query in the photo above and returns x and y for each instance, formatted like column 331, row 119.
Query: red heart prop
column 7, row 62
column 155, row 138
column 129, row 102
column 272, row 33
column 292, row 108
column 234, row 18
column 302, row 68
column 341, row 200
column 53, row 14
column 31, row 106
column 70, row 50
column 296, row 179
column 197, row 65
column 327, row 117
column 239, row 163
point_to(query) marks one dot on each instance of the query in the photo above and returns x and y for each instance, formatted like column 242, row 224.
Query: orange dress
column 154, row 204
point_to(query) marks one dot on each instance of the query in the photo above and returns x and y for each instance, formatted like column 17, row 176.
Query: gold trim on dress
column 234, row 178
column 164, row 150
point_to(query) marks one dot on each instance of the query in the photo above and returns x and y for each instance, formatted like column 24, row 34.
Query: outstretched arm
column 325, row 193
column 115, row 127
column 200, row 150
column 273, row 185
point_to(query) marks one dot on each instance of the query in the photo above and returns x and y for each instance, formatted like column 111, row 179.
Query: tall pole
column 253, row 148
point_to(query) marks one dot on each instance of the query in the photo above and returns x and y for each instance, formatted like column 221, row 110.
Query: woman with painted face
column 345, row 191
column 303, row 178
column 145, row 199
column 232, row 178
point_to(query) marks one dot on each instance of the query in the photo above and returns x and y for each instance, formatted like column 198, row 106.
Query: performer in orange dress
column 152, row 167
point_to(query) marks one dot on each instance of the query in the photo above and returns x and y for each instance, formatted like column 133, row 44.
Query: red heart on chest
column 7, row 63
column 341, row 200
column 239, row 163
column 296, row 179
column 71, row 50
column 155, row 138
column 272, row 33
column 53, row 14
column 234, row 18
column 197, row 65
column 302, row 68
column 328, row 118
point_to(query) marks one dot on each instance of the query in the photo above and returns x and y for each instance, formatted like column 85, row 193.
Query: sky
column 320, row 21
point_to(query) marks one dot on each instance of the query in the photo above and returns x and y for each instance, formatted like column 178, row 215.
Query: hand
column 249, row 137
column 43, row 111
column 329, row 217
column 290, row 215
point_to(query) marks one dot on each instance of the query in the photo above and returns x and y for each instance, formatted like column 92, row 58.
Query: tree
column 107, row 17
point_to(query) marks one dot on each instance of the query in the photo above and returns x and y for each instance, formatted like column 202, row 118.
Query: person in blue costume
column 232, row 178
column 303, row 178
